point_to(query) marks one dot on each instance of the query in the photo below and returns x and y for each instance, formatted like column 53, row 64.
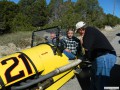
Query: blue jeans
column 100, row 70
column 69, row 55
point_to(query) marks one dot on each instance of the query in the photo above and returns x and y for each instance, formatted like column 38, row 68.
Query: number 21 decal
column 21, row 74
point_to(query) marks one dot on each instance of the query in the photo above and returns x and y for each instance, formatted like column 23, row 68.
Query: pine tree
column 90, row 10
column 24, row 4
column 36, row 10
column 55, row 9
column 70, row 17
column 8, row 10
column 38, row 13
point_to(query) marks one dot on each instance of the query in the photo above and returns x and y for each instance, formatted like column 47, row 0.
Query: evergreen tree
column 90, row 11
column 81, row 8
column 70, row 17
column 55, row 9
column 23, row 4
column 8, row 11
column 36, row 10
column 38, row 13
column 21, row 23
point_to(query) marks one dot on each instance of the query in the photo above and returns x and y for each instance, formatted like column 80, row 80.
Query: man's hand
column 67, row 50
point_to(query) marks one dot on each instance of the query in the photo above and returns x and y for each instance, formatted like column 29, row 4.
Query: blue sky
column 107, row 6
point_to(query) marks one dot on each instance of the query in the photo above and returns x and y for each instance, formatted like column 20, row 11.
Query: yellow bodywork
column 16, row 67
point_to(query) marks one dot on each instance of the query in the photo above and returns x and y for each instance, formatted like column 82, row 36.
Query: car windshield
column 49, row 36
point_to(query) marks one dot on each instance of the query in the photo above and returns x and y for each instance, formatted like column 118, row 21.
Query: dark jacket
column 96, row 44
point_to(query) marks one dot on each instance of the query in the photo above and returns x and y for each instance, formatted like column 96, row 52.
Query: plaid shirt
column 70, row 44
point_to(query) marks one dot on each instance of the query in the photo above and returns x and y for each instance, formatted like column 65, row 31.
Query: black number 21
column 21, row 74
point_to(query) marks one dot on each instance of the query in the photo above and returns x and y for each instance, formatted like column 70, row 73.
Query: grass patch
column 20, row 39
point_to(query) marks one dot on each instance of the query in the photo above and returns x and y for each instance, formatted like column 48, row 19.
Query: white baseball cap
column 80, row 25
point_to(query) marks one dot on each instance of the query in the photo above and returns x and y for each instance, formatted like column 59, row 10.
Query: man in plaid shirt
column 72, row 46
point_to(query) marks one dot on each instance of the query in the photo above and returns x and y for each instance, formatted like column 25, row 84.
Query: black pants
column 84, row 78
column 115, row 76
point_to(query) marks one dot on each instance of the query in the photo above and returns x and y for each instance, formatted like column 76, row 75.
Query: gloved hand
column 85, row 64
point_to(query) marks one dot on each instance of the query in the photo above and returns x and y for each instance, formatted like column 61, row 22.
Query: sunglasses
column 83, row 29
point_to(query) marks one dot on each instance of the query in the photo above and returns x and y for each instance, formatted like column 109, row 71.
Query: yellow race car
column 42, row 67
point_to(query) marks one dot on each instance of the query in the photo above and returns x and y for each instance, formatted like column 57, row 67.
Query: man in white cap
column 82, row 31
column 99, row 51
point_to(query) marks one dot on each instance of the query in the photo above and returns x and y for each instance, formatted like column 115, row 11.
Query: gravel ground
column 116, row 44
column 114, row 40
column 71, row 85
